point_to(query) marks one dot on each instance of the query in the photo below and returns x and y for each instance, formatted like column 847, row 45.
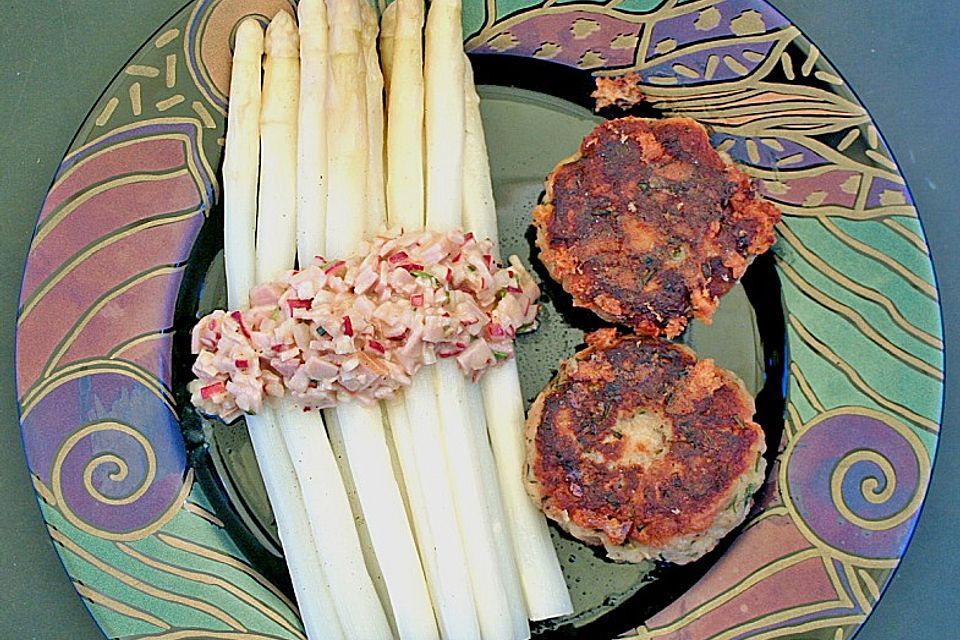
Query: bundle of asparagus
column 456, row 190
column 448, row 544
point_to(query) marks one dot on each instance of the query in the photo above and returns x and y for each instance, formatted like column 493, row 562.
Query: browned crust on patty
column 648, row 225
column 681, row 501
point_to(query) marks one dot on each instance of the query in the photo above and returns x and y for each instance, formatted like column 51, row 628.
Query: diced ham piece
column 266, row 295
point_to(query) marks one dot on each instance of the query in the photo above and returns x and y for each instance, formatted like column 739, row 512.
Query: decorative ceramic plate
column 161, row 520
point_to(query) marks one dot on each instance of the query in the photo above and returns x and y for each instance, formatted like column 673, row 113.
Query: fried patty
column 648, row 225
column 640, row 447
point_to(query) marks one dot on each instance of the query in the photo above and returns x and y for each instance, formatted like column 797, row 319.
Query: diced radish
column 398, row 257
column 296, row 303
column 333, row 267
column 211, row 390
column 236, row 315
column 495, row 330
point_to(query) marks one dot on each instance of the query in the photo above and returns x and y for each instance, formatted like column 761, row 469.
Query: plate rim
column 203, row 9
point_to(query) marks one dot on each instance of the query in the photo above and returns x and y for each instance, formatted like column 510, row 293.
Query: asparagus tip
column 282, row 40
column 249, row 27
column 308, row 10
column 389, row 14
column 249, row 38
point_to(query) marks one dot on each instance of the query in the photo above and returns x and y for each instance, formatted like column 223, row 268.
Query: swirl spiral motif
column 115, row 471
column 108, row 473
column 854, row 479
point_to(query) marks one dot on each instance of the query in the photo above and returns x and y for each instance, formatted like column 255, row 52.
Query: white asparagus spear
column 328, row 511
column 479, row 208
column 312, row 134
column 240, row 210
column 361, row 433
column 395, row 407
column 544, row 588
column 444, row 115
column 405, row 118
column 545, row 591
column 373, row 76
column 310, row 585
column 400, row 436
column 346, row 140
column 388, row 34
column 277, row 241
column 478, row 199
column 356, row 106
column 497, row 618
column 444, row 555
column 335, row 432
column 405, row 122
column 497, row 514
column 241, row 159
column 444, row 133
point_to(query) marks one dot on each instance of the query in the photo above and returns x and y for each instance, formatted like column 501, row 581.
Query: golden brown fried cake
column 648, row 225
column 639, row 447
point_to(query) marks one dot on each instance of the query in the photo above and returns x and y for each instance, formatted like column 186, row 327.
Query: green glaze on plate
column 161, row 523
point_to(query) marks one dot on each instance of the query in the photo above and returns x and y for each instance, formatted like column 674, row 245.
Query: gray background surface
column 58, row 55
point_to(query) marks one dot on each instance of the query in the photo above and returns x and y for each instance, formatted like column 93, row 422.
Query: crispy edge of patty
column 563, row 265
column 729, row 508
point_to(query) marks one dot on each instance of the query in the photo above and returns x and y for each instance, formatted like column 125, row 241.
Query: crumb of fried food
column 621, row 91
